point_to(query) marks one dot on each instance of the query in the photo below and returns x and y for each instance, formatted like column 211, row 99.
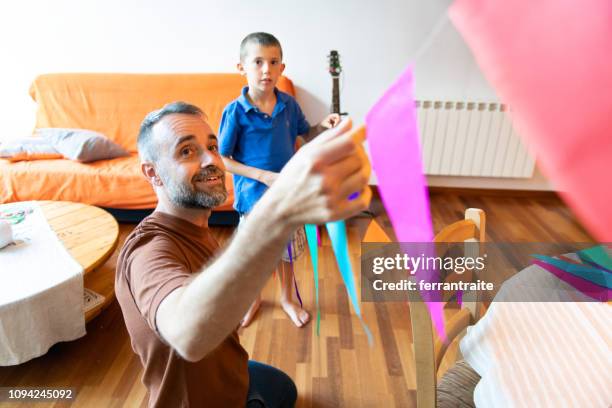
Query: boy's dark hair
column 260, row 38
column 146, row 147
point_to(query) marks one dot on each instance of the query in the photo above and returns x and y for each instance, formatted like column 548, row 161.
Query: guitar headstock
column 334, row 63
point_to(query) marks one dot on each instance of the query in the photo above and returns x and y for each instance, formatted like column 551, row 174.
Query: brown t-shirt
column 162, row 254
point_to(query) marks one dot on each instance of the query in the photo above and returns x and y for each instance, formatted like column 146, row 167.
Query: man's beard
column 186, row 196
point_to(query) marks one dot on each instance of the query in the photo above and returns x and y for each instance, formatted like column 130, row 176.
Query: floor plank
column 337, row 368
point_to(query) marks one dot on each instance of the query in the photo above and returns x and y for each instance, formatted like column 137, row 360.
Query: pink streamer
column 589, row 289
column 551, row 62
column 394, row 146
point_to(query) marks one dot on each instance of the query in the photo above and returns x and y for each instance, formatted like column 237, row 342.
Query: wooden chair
column 429, row 350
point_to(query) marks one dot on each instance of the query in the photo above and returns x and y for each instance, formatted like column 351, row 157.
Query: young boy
column 257, row 136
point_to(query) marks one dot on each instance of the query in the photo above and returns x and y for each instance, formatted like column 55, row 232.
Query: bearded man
column 181, row 295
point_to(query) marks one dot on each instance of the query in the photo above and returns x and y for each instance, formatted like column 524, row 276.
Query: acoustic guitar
column 334, row 70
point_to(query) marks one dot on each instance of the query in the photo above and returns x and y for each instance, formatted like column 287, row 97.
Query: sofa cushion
column 28, row 148
column 81, row 144
column 116, row 104
column 116, row 183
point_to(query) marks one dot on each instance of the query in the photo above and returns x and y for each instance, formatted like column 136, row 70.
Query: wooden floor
column 336, row 369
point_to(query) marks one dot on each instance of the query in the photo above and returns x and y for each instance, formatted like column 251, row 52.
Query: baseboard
column 231, row 218
column 128, row 216
column 224, row 218
column 217, row 218
column 492, row 192
column 480, row 192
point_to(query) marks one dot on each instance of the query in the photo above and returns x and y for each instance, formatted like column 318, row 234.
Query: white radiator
column 471, row 139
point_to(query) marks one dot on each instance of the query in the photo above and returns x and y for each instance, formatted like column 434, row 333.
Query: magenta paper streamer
column 551, row 62
column 393, row 140
column 297, row 291
column 590, row 289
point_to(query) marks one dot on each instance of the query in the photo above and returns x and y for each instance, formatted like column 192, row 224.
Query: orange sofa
column 112, row 104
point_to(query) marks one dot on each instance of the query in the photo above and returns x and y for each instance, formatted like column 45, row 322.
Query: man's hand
column 315, row 186
column 330, row 121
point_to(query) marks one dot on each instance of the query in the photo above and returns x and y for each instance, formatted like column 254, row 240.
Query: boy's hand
column 330, row 121
column 268, row 177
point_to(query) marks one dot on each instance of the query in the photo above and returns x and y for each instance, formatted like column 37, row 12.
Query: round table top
column 89, row 233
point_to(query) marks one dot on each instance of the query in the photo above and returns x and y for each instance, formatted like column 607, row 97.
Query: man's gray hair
column 146, row 148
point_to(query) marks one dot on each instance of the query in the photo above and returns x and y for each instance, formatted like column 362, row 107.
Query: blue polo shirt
column 257, row 139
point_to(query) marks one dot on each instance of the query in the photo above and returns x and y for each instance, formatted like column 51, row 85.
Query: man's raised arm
column 312, row 188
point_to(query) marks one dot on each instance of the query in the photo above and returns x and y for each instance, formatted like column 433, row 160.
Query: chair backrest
column 428, row 349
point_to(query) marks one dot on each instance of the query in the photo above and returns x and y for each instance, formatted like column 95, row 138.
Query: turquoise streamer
column 337, row 235
column 589, row 273
column 597, row 255
column 311, row 237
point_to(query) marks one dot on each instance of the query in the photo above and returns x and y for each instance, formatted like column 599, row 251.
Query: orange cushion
column 116, row 183
column 33, row 156
column 116, row 104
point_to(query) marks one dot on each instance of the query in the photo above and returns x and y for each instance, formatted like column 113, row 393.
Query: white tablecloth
column 541, row 354
column 41, row 290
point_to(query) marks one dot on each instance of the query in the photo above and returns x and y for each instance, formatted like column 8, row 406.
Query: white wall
column 376, row 40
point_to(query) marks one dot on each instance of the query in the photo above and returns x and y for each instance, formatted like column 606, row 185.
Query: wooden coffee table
column 90, row 235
